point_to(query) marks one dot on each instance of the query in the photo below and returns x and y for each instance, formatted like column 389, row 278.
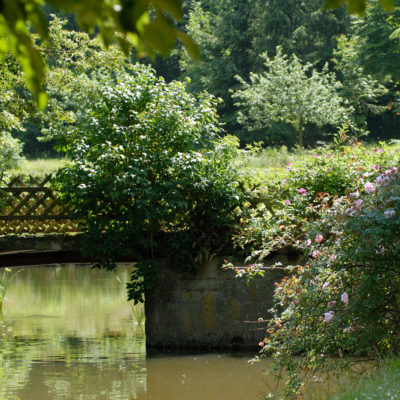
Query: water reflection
column 69, row 333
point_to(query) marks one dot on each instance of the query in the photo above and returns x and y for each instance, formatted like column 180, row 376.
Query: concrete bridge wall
column 209, row 310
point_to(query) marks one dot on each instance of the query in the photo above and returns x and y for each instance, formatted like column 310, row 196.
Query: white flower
column 389, row 213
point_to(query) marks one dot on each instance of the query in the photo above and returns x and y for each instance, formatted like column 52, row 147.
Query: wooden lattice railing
column 32, row 207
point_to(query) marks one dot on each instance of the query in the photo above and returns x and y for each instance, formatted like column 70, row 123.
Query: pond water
column 69, row 333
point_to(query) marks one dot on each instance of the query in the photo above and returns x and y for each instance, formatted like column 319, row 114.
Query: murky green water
column 69, row 333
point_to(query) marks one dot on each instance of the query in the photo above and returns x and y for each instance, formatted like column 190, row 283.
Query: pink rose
column 345, row 298
column 369, row 187
column 287, row 202
column 358, row 203
column 302, row 191
column 328, row 316
column 332, row 257
column 319, row 238
column 316, row 254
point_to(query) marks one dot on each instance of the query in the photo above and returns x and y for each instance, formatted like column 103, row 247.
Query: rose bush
column 344, row 215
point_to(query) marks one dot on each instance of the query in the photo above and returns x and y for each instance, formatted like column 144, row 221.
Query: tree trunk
column 301, row 136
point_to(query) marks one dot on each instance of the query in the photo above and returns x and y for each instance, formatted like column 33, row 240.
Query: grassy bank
column 384, row 385
column 40, row 166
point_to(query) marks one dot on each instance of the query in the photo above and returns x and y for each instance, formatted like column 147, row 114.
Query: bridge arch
column 207, row 310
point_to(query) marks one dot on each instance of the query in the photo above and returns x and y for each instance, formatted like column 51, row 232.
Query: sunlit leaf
column 174, row 7
column 189, row 43
column 387, row 4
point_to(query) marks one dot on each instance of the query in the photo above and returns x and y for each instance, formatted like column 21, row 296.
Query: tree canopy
column 147, row 25
column 290, row 92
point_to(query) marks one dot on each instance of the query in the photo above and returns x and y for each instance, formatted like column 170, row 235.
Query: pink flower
column 377, row 167
column 332, row 257
column 389, row 213
column 325, row 285
column 369, row 187
column 319, row 238
column 348, row 329
column 287, row 202
column 302, row 191
column 316, row 254
column 358, row 203
column 329, row 169
column 375, row 150
column 284, row 181
column 315, row 155
column 328, row 316
column 345, row 298
column 308, row 242
column 355, row 195
column 261, row 344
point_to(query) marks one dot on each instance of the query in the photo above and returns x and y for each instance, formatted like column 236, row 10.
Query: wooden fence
column 33, row 207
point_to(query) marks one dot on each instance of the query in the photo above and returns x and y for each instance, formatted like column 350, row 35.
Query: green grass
column 276, row 158
column 383, row 385
column 40, row 166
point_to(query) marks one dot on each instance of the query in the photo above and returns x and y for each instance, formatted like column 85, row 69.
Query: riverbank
column 383, row 385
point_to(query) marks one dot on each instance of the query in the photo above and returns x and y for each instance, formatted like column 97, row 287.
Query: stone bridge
column 208, row 310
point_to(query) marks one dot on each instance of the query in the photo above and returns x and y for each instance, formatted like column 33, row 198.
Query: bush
column 342, row 209
column 10, row 152
column 150, row 173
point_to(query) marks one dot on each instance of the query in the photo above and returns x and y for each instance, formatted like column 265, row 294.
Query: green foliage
column 359, row 89
column 292, row 93
column 341, row 209
column 148, row 164
column 125, row 22
column 232, row 35
column 10, row 152
column 359, row 6
column 378, row 47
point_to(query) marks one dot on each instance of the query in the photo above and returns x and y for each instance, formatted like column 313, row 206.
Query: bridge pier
column 210, row 310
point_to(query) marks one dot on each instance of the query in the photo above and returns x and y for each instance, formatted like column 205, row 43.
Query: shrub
column 150, row 173
column 344, row 214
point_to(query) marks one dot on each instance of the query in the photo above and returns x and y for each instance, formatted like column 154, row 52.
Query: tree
column 379, row 41
column 232, row 34
column 145, row 24
column 78, row 66
column 359, row 89
column 292, row 93
column 358, row 6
